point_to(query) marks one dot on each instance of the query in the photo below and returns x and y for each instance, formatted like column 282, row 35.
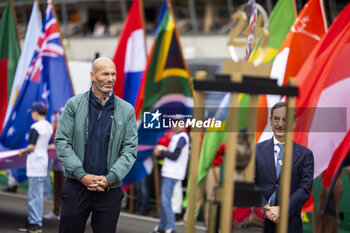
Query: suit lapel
column 269, row 159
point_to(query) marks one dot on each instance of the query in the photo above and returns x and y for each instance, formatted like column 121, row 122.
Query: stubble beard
column 103, row 90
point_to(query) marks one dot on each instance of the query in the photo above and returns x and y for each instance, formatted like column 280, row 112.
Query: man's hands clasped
column 272, row 213
column 94, row 182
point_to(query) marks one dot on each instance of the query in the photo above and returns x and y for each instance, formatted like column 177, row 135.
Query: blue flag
column 47, row 80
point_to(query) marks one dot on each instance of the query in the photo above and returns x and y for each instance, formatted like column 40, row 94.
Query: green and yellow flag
column 280, row 22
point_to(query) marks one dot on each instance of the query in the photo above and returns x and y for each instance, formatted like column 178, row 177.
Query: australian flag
column 47, row 80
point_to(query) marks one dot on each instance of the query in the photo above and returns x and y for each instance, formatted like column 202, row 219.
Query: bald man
column 96, row 140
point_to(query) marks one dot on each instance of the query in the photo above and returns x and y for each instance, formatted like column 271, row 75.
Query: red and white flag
column 324, row 82
column 305, row 33
column 130, row 56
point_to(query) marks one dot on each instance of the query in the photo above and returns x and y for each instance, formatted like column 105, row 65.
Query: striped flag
column 166, row 87
column 130, row 56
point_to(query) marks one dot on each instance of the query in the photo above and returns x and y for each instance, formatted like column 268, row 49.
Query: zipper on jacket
column 99, row 115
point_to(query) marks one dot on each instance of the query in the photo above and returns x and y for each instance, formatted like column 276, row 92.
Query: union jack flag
column 48, row 44
column 47, row 80
column 252, row 23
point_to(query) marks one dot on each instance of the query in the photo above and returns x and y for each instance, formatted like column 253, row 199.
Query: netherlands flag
column 130, row 56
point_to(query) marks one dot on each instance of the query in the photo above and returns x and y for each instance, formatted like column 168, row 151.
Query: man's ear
column 270, row 119
column 92, row 76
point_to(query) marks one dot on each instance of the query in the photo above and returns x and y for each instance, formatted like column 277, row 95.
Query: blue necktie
column 278, row 154
column 278, row 164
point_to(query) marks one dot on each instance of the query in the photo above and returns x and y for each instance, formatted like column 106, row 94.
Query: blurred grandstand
column 79, row 17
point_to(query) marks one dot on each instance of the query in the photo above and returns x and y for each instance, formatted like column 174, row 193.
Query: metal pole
column 269, row 6
column 64, row 16
column 332, row 10
column 193, row 16
column 24, row 14
column 108, row 12
column 229, row 7
column 123, row 9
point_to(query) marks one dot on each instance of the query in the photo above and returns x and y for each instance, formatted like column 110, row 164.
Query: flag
column 307, row 30
column 213, row 139
column 280, row 21
column 11, row 159
column 9, row 55
column 252, row 23
column 324, row 82
column 47, row 79
column 305, row 33
column 30, row 39
column 166, row 87
column 130, row 56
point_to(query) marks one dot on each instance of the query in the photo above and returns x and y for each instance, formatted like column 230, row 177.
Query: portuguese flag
column 9, row 55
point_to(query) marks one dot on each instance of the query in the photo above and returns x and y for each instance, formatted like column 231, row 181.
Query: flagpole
column 37, row 4
column 179, row 44
column 64, row 47
column 156, row 184
column 323, row 10
column 314, row 213
column 143, row 22
column 16, row 24
column 295, row 9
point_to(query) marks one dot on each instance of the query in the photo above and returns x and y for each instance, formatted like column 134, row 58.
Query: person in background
column 39, row 142
column 11, row 182
column 174, row 168
column 177, row 198
column 96, row 140
column 268, row 165
column 58, row 179
column 99, row 29
column 142, row 192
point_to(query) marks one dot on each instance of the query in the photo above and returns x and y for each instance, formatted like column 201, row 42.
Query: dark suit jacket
column 301, row 182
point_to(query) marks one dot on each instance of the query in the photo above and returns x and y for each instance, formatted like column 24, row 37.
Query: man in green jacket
column 96, row 140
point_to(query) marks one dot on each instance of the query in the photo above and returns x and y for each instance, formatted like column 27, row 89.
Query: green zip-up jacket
column 72, row 134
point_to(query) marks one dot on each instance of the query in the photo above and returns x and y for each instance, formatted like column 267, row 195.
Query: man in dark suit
column 268, row 165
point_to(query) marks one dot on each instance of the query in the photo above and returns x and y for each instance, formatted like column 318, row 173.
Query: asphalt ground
column 13, row 214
